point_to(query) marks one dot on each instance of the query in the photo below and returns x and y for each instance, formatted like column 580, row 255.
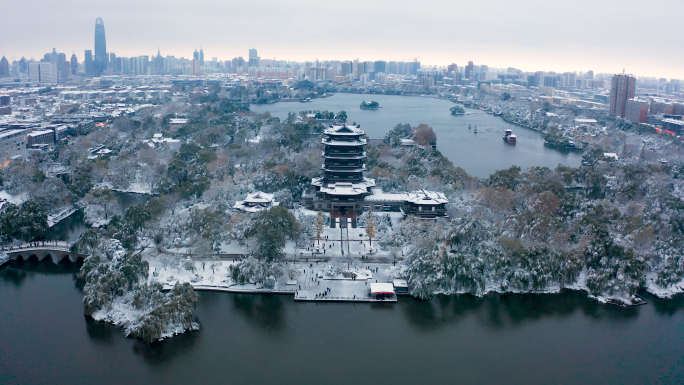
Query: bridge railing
column 53, row 245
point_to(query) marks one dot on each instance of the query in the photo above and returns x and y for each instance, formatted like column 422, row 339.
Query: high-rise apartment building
column 88, row 63
column 100, row 48
column 622, row 89
column 195, row 67
column 43, row 72
column 380, row 66
column 636, row 111
column 201, row 57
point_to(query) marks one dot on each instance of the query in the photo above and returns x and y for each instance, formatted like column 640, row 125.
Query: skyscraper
column 88, row 62
column 470, row 71
column 253, row 58
column 201, row 56
column 158, row 63
column 4, row 67
column 100, row 48
column 74, row 64
column 621, row 89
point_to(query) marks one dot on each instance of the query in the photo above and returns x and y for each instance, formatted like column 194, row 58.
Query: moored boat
column 509, row 137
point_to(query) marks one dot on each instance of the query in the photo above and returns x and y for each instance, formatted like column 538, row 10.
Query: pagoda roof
column 424, row 197
column 332, row 142
column 344, row 130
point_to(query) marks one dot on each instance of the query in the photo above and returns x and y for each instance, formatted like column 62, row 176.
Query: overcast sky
column 643, row 37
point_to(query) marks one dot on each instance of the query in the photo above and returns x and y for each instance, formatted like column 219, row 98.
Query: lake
column 254, row 339
column 479, row 154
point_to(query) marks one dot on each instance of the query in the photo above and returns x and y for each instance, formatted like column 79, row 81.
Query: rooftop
column 344, row 130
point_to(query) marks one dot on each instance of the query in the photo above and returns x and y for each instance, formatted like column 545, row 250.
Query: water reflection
column 666, row 307
column 264, row 311
column 68, row 229
column 101, row 332
column 442, row 310
column 13, row 276
column 71, row 227
column 502, row 311
column 166, row 353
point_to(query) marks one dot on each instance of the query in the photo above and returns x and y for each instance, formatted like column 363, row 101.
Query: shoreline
column 658, row 293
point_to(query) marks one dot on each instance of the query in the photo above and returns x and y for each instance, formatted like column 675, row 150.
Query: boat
column 475, row 130
column 509, row 137
column 470, row 126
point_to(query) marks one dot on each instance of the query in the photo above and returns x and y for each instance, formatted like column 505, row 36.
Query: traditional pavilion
column 256, row 202
column 345, row 193
column 341, row 189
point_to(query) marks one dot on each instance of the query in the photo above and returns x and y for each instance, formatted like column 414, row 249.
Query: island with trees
column 457, row 110
column 372, row 105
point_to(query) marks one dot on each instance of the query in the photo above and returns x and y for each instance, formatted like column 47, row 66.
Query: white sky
column 643, row 37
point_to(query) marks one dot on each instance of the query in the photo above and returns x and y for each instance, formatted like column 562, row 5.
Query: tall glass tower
column 100, row 47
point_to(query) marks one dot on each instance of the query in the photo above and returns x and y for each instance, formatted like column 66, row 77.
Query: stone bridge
column 57, row 251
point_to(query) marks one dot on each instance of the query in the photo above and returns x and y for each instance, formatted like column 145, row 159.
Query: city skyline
column 530, row 36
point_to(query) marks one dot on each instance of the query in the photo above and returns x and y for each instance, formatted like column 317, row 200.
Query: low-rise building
column 40, row 137
column 673, row 126
column 13, row 145
column 256, row 202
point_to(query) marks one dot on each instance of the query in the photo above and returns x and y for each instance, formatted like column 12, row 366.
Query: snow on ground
column 138, row 188
column 662, row 292
column 135, row 187
column 6, row 197
column 123, row 314
column 306, row 279
column 53, row 219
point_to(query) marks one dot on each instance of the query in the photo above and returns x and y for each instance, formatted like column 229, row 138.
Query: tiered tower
column 342, row 187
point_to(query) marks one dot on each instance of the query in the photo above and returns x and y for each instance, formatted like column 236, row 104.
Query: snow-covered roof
column 400, row 283
column 343, row 129
column 178, row 121
column 344, row 188
column 41, row 132
column 329, row 142
column 408, row 142
column 381, row 288
column 674, row 121
column 424, row 197
column 256, row 202
column 377, row 195
column 259, row 197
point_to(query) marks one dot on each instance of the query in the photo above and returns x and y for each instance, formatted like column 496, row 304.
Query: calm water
column 70, row 228
column 530, row 339
column 479, row 154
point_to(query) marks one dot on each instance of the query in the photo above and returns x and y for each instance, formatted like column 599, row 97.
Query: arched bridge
column 57, row 251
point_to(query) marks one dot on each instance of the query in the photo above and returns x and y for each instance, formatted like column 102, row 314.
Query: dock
column 344, row 299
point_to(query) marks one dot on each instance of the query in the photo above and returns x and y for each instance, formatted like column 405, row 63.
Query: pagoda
column 342, row 188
